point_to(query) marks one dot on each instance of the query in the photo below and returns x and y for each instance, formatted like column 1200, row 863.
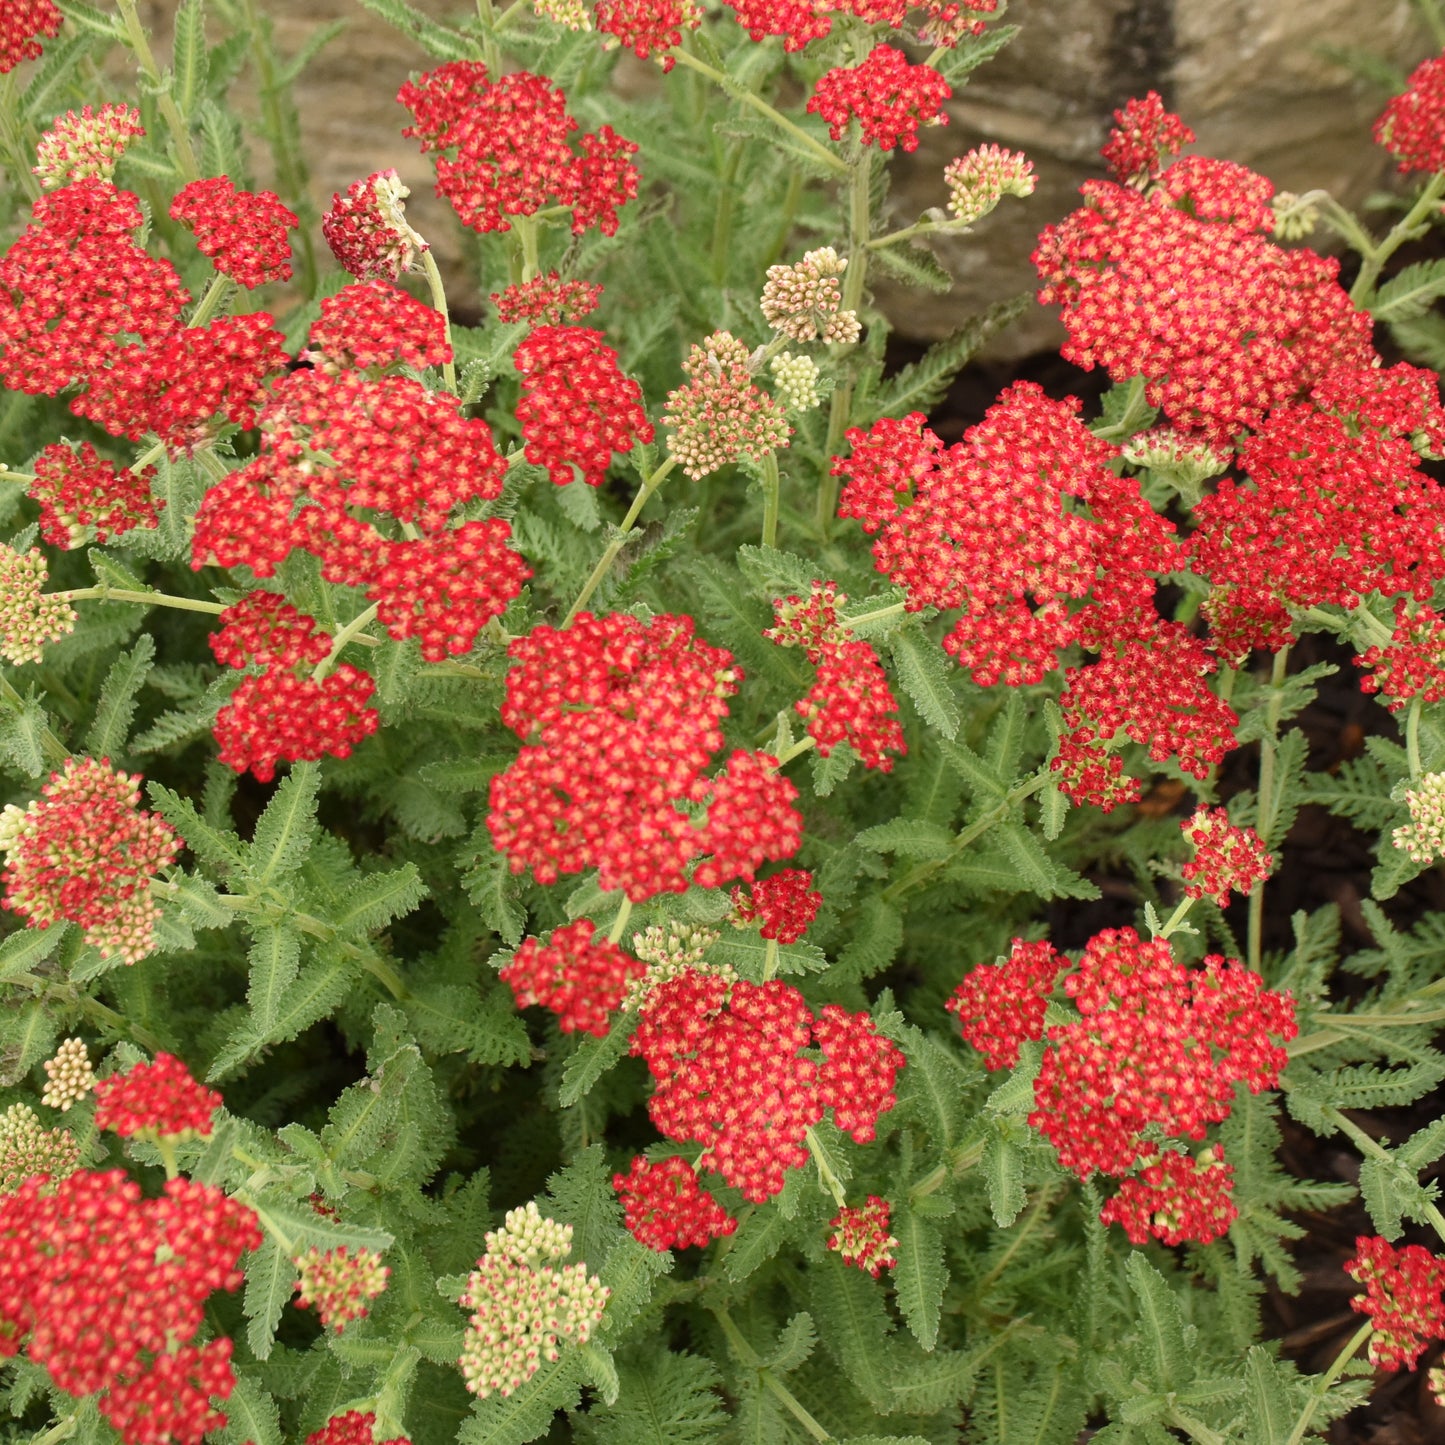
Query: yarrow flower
column 785, row 903
column 547, row 300
column 670, row 951
column 796, row 379
column 87, row 146
column 1412, row 127
column 1423, row 837
column 577, row 408
column 1144, row 134
column 524, row 1308
column 29, row 618
column 28, row 1149
column 83, row 498
column 648, row 26
column 1226, row 859
column 69, row 1076
column 367, row 229
column 1402, row 1298
column 373, row 324
column 1176, row 1197
column 339, row 1284
column 979, row 180
column 352, row 1427
column 156, row 1101
column 720, row 415
column 243, row 232
column 1001, row 1005
column 22, row 22
column 1412, row 663
column 861, row 1235
column 889, row 97
column 85, row 851
column 511, row 140
column 664, row 1206
column 106, row 1291
column 802, row 301
column 579, row 977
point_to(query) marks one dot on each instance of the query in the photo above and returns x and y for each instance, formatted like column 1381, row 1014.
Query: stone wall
column 1248, row 75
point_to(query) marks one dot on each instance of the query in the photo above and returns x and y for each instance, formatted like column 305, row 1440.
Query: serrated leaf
column 747, row 952
column 270, row 1282
column 666, row 1398
column 777, row 574
column 191, row 59
column 578, row 502
column 433, row 37
column 1036, row 869
column 909, row 837
column 22, row 737
column 1270, row 1412
column 1409, row 293
column 848, row 1308
column 1003, row 1169
column 285, row 831
column 915, row 266
column 873, row 942
column 920, row 1275
column 316, row 992
column 527, row 1412
column 494, row 891
column 757, row 1239
column 1162, row 1351
column 927, row 677
column 26, row 947
column 593, row 1058
column 377, row 899
column 274, row 961
column 297, row 1228
column 116, row 707
column 252, row 1417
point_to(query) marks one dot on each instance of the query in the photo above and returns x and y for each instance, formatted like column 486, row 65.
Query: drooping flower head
column 156, row 1101
column 87, row 146
column 85, row 851
column 367, row 229
column 1144, row 134
column 802, row 301
column 243, row 232
column 547, row 300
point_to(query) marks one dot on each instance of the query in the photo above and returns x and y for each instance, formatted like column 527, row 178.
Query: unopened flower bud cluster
column 802, row 301
column 28, row 620
column 978, row 181
column 85, row 146
column 27, row 1149
column 69, row 1074
column 1423, row 837
column 797, row 381
column 669, row 952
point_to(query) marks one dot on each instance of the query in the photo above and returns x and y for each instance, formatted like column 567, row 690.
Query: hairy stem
column 1267, row 802
column 1409, row 228
column 772, row 488
column 1412, row 736
column 624, row 912
column 350, row 633
column 439, row 303
column 1322, row 1387
column 103, row 593
column 135, row 37
column 753, row 1361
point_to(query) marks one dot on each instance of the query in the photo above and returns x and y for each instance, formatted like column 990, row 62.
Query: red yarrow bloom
column 339, row 1284
column 263, row 627
column 581, row 978
column 84, row 498
column 889, row 96
column 664, row 1206
column 367, row 230
column 1177, row 1199
column 1402, row 1298
column 648, row 26
column 1144, row 134
column 106, row 1290
column 797, row 21
column 373, row 324
column 1412, row 664
column 243, row 232
column 1226, row 859
column 353, row 1427
column 859, row 1067
column 1002, row 1005
column 577, row 408
column 22, row 23
column 156, row 1101
column 547, row 300
column 512, row 153
column 861, row 1235
column 785, row 902
column 85, row 851
column 1412, row 127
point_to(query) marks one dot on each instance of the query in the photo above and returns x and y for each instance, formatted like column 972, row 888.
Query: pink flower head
column 367, row 231
column 22, row 22
column 1402, row 1298
column 339, row 1284
column 243, row 232
column 1226, row 859
column 156, row 1101
column 1412, row 127
column 664, row 1206
column 1143, row 134
column 82, row 497
column 889, row 97
column 861, row 1235
column 579, row 977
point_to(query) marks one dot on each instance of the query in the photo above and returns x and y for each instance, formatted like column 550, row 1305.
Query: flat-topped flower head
column 243, row 232
column 156, row 1101
column 85, row 851
column 367, row 229
column 979, row 180
column 69, row 1076
column 373, row 324
column 1402, row 1298
column 83, row 498
column 29, row 618
column 861, row 1235
column 28, row 1149
column 87, row 146
column 888, row 95
column 1226, row 859
column 648, row 27
column 339, row 1284
column 1412, row 127
column 580, row 977
column 22, row 24
column 664, row 1206
column 1001, row 1005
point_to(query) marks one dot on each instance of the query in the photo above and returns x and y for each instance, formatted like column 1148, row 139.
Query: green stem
column 970, row 834
column 1195, row 1429
column 798, row 749
column 770, row 959
column 1267, row 804
column 958, row 1160
column 439, row 303
column 1412, row 736
column 772, row 489
column 50, row 745
column 1366, row 1145
column 104, row 593
column 1326, row 1038
column 753, row 1361
column 1409, row 228
column 351, row 632
column 1375, row 632
column 166, row 1148
column 513, row 11
column 722, row 226
column 815, row 148
column 135, row 37
column 156, row 451
column 1322, row 1386
column 1136, row 408
column 210, row 303
column 23, row 478
column 791, row 197
column 99, row 1013
column 61, row 1430
column 491, row 51
column 609, row 556
column 526, row 229
column 1037, row 1212
column 1176, row 918
column 620, row 922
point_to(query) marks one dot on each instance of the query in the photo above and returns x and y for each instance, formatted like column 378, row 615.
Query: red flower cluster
column 1143, row 134
column 156, row 1101
column 352, row 1428
column 727, row 1060
column 1402, row 1298
column 73, row 283
column 577, row 408
column 645, row 26
column 286, row 712
column 1413, row 663
column 664, row 1207
column 21, row 22
column 581, row 978
column 512, row 153
column 1000, row 1005
column 1176, row 1198
column 945, row 22
column 367, row 232
column 106, row 1291
column 785, row 901
column 243, row 232
column 87, row 146
column 851, row 701
column 619, row 718
column 861, row 1235
column 82, row 497
column 1226, row 859
column 1223, row 324
column 373, row 324
column 1412, row 127
column 889, row 96
column 86, row 851
column 1157, row 1044
column 548, row 300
